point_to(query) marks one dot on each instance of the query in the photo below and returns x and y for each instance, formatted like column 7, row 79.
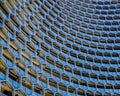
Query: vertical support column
column 13, row 93
column 67, row 90
column 1, row 50
column 44, row 91
column 33, row 90
column 20, row 82
column 7, row 74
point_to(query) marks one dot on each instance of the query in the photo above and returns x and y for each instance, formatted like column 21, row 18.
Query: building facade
column 59, row 47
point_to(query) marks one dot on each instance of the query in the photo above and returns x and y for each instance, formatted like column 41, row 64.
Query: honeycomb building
column 59, row 47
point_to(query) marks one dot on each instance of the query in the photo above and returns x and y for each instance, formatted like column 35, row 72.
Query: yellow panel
column 3, row 34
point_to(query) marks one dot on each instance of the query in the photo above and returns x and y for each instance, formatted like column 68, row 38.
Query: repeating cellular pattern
column 59, row 47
